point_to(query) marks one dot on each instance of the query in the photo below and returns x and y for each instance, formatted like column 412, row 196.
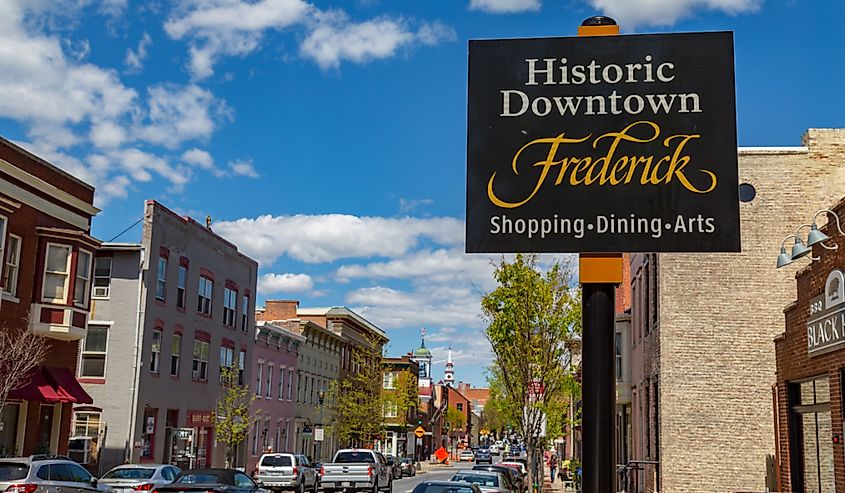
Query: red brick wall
column 278, row 310
column 793, row 362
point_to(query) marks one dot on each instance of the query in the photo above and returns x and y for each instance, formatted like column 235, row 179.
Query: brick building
column 47, row 253
column 399, row 437
column 702, row 325
column 811, row 371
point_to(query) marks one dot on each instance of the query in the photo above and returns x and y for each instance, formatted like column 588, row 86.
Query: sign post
column 597, row 145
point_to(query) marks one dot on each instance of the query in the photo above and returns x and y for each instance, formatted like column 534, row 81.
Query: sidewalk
column 558, row 486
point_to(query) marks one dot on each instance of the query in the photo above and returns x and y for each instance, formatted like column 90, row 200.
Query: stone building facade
column 701, row 386
column 808, row 394
column 47, row 253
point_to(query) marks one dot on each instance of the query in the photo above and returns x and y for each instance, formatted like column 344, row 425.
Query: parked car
column 516, row 476
column 139, row 477
column 211, row 481
column 409, row 467
column 494, row 449
column 395, row 466
column 483, row 455
column 519, row 466
column 287, row 472
column 466, row 455
column 446, row 487
column 356, row 470
column 47, row 474
column 487, row 481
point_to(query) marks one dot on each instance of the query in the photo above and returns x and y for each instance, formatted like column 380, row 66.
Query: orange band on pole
column 598, row 30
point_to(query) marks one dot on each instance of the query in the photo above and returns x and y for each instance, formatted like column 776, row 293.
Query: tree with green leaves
column 234, row 412
column 358, row 400
column 404, row 396
column 534, row 320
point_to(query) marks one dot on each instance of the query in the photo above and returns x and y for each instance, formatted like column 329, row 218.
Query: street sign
column 318, row 434
column 419, row 432
column 602, row 144
column 306, row 430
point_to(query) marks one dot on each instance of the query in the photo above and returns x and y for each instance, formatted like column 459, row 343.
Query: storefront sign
column 826, row 325
column 602, row 144
column 199, row 419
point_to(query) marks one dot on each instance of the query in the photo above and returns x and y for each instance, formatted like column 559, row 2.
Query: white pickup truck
column 356, row 470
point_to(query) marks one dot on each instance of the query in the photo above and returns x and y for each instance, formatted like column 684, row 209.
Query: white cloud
column 180, row 113
column 203, row 160
column 229, row 27
column 409, row 205
column 217, row 28
column 285, row 283
column 243, row 168
column 336, row 39
column 432, row 305
column 442, row 265
column 630, row 14
column 328, row 237
column 134, row 60
column 505, row 6
column 107, row 134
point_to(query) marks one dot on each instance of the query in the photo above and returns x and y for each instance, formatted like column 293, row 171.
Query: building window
column 241, row 367
column 181, row 279
column 647, row 420
column 259, row 376
column 460, row 406
column 290, row 383
column 391, row 410
column 389, row 380
column 230, row 298
column 206, row 290
column 175, row 354
column 102, row 277
column 82, row 286
column 655, row 281
column 618, row 356
column 155, row 356
column 161, row 278
column 94, row 352
column 281, row 383
column 269, row 381
column 255, row 438
column 56, row 273
column 13, row 258
column 244, row 312
column 227, row 356
column 199, row 369
column 86, row 424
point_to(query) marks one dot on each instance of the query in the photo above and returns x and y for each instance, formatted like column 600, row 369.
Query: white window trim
column 104, row 353
column 259, row 367
column 69, row 248
column 282, row 372
column 158, row 279
column 270, row 369
column 86, row 296
column 157, row 370
column 12, row 295
column 94, row 278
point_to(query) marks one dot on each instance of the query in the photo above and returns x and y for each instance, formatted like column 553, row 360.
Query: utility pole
column 321, row 395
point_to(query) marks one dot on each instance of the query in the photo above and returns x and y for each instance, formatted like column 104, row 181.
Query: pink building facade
column 274, row 381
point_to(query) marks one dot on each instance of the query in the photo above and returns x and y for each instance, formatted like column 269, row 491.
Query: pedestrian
column 553, row 466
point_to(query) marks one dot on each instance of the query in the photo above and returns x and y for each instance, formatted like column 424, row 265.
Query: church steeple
column 450, row 369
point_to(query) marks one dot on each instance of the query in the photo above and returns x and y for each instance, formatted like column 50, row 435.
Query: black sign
column 602, row 144
column 826, row 322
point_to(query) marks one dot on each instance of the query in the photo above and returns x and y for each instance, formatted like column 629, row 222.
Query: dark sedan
column 483, row 455
column 211, row 480
column 446, row 487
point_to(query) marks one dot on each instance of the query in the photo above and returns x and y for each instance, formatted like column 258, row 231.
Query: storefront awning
column 67, row 387
column 50, row 384
column 36, row 389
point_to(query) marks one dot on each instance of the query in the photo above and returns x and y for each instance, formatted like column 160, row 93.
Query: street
column 436, row 473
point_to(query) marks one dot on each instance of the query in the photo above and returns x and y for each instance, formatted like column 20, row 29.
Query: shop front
column 202, row 425
column 36, row 419
column 808, row 397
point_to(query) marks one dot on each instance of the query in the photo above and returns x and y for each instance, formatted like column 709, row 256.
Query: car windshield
column 276, row 460
column 479, row 479
column 199, row 478
column 13, row 471
column 346, row 457
column 130, row 473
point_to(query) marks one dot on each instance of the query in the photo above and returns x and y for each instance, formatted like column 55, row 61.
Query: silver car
column 47, row 474
column 130, row 478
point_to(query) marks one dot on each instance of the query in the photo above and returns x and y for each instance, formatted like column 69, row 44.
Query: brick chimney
column 278, row 310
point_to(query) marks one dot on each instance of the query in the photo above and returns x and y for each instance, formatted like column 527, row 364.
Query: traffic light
column 419, row 421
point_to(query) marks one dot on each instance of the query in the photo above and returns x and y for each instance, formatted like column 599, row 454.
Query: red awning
column 66, row 385
column 36, row 389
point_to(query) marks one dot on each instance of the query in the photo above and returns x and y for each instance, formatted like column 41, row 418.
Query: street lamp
column 815, row 237
column 321, row 396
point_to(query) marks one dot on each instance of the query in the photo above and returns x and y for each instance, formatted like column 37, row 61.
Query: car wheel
column 301, row 487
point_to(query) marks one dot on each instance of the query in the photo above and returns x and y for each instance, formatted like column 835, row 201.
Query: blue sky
column 327, row 139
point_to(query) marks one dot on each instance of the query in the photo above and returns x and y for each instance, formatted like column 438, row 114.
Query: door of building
column 45, row 428
column 811, row 437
